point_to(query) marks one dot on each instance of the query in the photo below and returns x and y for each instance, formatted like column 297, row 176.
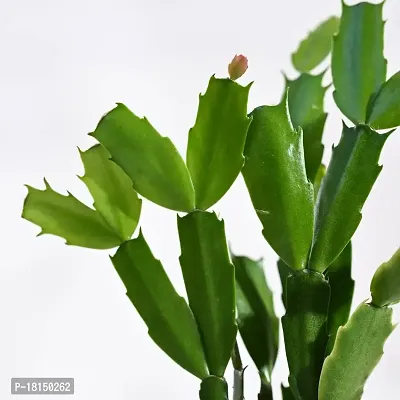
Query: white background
column 63, row 65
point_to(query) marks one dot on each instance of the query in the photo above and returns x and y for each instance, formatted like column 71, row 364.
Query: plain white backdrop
column 63, row 64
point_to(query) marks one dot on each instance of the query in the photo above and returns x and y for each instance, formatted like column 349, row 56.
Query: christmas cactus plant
column 309, row 214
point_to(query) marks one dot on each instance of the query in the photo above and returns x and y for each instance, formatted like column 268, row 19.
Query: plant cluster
column 309, row 214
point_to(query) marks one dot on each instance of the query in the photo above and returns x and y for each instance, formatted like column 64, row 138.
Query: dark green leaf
column 385, row 107
column 265, row 391
column 67, row 217
column 216, row 142
column 287, row 393
column 213, row 388
column 306, row 106
column 112, row 191
column 171, row 323
column 316, row 46
column 210, row 284
column 358, row 64
column 351, row 175
column 257, row 321
column 385, row 285
column 342, row 288
column 276, row 179
column 313, row 147
column 304, row 328
column 150, row 160
column 358, row 349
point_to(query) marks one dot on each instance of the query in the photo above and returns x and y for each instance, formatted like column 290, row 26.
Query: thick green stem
column 305, row 330
column 213, row 388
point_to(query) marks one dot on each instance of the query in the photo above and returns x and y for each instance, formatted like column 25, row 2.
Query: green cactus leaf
column 316, row 46
column 265, row 391
column 385, row 285
column 112, row 191
column 67, row 217
column 256, row 318
column 169, row 319
column 213, row 388
column 385, row 106
column 276, row 179
column 358, row 63
column 151, row 161
column 342, row 289
column 216, row 141
column 349, row 179
column 287, row 393
column 358, row 349
column 304, row 329
column 210, row 284
column 306, row 107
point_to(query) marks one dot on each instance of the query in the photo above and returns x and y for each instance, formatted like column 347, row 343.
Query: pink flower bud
column 237, row 67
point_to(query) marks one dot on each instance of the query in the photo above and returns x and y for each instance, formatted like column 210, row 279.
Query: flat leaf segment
column 216, row 141
column 358, row 349
column 351, row 174
column 169, row 319
column 304, row 328
column 210, row 284
column 276, row 179
column 258, row 324
column 149, row 159
column 358, row 63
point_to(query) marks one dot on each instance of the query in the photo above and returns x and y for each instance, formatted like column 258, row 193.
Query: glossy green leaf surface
column 342, row 289
column 151, row 161
column 276, row 179
column 358, row 349
column 169, row 319
column 349, row 179
column 358, row 63
column 304, row 329
column 256, row 318
column 213, row 388
column 385, row 285
column 306, row 107
column 385, row 107
column 67, row 217
column 112, row 191
column 210, row 284
column 316, row 46
column 216, row 141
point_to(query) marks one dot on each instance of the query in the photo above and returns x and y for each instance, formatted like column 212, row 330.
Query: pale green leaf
column 357, row 351
column 112, row 191
column 316, row 46
column 150, row 160
column 67, row 217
